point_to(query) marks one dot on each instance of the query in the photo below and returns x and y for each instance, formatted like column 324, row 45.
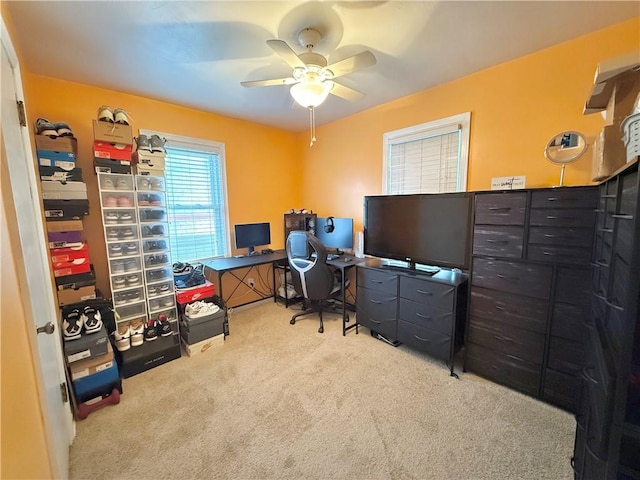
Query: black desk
column 228, row 264
column 344, row 263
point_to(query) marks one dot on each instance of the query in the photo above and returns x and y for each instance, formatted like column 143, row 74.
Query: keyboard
column 332, row 256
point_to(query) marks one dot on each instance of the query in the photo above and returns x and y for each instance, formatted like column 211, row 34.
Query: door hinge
column 22, row 116
column 64, row 392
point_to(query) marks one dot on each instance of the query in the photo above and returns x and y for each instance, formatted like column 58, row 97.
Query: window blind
column 195, row 203
column 425, row 165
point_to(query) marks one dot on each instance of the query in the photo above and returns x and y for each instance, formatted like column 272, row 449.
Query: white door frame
column 56, row 415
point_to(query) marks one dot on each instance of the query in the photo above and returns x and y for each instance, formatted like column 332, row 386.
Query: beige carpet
column 277, row 401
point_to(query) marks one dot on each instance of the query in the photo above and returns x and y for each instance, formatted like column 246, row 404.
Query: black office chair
column 311, row 276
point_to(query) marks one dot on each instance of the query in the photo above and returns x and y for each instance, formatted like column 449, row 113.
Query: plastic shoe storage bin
column 631, row 129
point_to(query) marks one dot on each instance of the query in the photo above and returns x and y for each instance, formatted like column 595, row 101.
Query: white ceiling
column 196, row 53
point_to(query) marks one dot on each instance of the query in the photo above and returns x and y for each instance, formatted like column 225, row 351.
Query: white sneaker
column 122, row 337
column 137, row 333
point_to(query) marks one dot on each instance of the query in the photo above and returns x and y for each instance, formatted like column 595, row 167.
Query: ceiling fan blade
column 268, row 83
column 345, row 92
column 351, row 64
column 286, row 52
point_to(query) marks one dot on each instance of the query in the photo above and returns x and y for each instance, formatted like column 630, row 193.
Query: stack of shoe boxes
column 203, row 319
column 112, row 145
column 65, row 204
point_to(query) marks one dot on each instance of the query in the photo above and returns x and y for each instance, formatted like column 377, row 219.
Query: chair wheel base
column 292, row 321
column 321, row 330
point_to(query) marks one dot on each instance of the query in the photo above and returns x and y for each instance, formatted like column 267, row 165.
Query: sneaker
column 63, row 129
column 147, row 231
column 137, row 333
column 164, row 288
column 112, row 234
column 143, row 199
column 143, row 184
column 164, row 326
column 143, row 143
column 152, row 290
column 155, row 200
column 131, row 266
column 157, row 230
column 111, row 218
column 126, row 218
column 133, row 296
column 151, row 261
column 115, row 250
column 127, row 233
column 110, row 201
column 156, row 185
column 117, row 267
column 162, row 259
column 122, row 184
column 72, row 325
column 150, row 331
column 91, row 319
column 167, row 302
column 157, row 144
column 45, row 127
column 107, row 184
column 118, row 282
column 162, row 245
column 124, row 201
column 120, row 116
column 120, row 298
column 122, row 337
column 131, row 248
column 133, row 280
column 105, row 114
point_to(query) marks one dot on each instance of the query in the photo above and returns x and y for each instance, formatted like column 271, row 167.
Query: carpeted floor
column 277, row 401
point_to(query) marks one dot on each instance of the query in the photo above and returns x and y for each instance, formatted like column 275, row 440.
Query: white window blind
column 196, row 199
column 427, row 158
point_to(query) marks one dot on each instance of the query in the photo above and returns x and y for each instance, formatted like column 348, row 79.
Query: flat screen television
column 423, row 229
column 251, row 235
column 335, row 232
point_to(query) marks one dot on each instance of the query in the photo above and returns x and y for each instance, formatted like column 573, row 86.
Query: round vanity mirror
column 564, row 148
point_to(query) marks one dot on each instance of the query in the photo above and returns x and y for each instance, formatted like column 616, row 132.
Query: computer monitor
column 335, row 232
column 251, row 235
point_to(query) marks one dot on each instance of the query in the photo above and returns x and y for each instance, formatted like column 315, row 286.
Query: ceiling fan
column 312, row 79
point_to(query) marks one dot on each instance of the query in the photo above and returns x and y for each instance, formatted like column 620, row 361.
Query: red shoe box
column 72, row 267
column 111, row 151
column 69, row 253
column 188, row 295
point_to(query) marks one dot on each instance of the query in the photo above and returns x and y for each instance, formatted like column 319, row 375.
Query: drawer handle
column 490, row 240
column 622, row 216
column 375, row 321
column 587, row 376
column 606, row 230
column 421, row 339
column 550, row 235
column 601, row 263
column 501, row 338
column 504, row 277
column 377, row 302
column 423, row 292
column 614, row 306
column 376, row 281
column 500, row 306
column 552, row 199
column 495, row 209
column 423, row 316
column 550, row 254
column 551, row 217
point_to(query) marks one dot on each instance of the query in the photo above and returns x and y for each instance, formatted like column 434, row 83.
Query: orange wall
column 263, row 168
column 516, row 107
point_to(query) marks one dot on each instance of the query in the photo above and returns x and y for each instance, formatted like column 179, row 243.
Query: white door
column 34, row 273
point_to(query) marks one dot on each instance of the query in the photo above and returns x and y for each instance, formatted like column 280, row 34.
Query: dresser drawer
column 425, row 340
column 513, row 277
column 512, row 372
column 568, row 321
column 603, row 247
column 378, row 280
column 562, row 217
column 573, row 286
column 559, row 254
column 586, row 198
column 621, row 279
column 426, row 316
column 562, row 390
column 578, row 237
column 512, row 341
column 624, row 243
column 432, row 293
column 500, row 241
column 517, row 310
column 500, row 208
column 377, row 311
column 566, row 356
column 629, row 193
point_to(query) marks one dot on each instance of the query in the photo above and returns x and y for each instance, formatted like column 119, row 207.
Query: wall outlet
column 251, row 282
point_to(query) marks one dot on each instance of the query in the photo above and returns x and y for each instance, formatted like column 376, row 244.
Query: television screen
column 338, row 237
column 251, row 235
column 427, row 229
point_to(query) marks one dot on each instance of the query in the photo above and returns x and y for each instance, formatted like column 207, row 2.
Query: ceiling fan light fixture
column 310, row 94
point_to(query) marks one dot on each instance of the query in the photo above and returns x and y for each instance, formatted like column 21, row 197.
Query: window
column 427, row 158
column 196, row 198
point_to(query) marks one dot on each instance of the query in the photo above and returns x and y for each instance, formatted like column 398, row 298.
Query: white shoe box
column 203, row 346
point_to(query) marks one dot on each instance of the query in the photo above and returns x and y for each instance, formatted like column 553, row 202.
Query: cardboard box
column 76, row 295
column 105, row 165
column 64, row 226
column 63, row 190
column 69, row 253
column 71, row 239
column 89, row 366
column 57, row 144
column 71, row 267
column 60, row 175
column 65, row 209
column 87, row 346
column 112, row 132
column 149, row 355
column 200, row 292
column 76, row 281
column 111, row 151
column 203, row 346
column 63, row 160
column 194, row 333
column 609, row 153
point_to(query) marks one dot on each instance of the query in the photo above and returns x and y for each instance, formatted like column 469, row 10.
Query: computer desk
column 344, row 263
column 229, row 264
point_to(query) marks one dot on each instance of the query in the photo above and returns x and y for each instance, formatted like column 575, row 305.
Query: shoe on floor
column 122, row 336
column 72, row 325
column 91, row 319
column 105, row 114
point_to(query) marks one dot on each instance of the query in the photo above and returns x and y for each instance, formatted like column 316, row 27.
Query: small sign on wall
column 508, row 183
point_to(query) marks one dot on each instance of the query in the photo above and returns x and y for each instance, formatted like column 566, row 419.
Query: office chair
column 311, row 276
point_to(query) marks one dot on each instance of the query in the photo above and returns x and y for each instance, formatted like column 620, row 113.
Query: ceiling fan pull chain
column 312, row 119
